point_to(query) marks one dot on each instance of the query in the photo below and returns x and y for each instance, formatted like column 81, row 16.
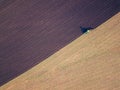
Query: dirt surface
column 91, row 62
column 32, row 30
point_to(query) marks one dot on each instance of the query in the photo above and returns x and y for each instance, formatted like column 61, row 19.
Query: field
column 91, row 62
column 31, row 31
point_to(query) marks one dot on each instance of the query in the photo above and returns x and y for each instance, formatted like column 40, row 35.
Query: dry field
column 91, row 62
column 33, row 30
